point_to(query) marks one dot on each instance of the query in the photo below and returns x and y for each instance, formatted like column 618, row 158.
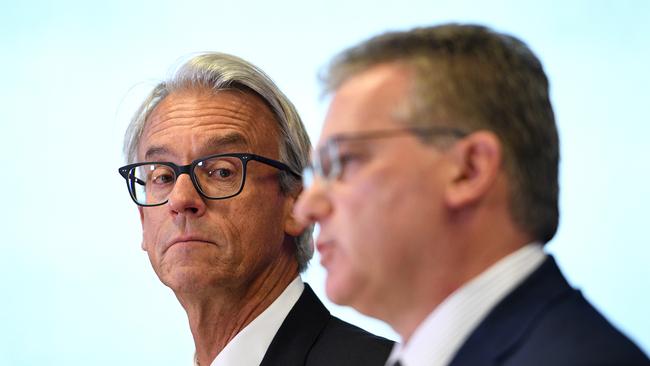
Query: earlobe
column 478, row 159
column 292, row 225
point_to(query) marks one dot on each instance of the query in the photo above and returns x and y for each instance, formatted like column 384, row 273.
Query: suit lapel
column 298, row 332
column 505, row 326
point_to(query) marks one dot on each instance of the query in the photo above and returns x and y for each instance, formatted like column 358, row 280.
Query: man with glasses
column 435, row 184
column 214, row 159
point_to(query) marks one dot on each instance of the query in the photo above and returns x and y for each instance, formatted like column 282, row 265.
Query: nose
column 184, row 199
column 313, row 205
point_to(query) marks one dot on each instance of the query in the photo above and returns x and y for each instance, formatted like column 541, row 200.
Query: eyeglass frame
column 315, row 168
column 189, row 170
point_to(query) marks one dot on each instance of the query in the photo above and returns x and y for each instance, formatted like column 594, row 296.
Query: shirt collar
column 249, row 346
column 441, row 334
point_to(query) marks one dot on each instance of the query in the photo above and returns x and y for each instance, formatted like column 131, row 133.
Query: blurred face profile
column 385, row 203
column 192, row 242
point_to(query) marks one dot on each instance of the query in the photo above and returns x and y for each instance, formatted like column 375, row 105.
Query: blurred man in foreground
column 214, row 159
column 435, row 184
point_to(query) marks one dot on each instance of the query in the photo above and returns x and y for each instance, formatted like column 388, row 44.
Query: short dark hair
column 474, row 78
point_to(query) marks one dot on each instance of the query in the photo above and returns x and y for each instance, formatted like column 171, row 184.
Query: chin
column 354, row 291
column 339, row 288
column 185, row 279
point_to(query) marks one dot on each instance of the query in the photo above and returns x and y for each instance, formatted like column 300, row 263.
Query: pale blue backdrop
column 75, row 288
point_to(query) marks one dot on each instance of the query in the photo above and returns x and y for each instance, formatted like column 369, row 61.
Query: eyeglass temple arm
column 276, row 164
column 139, row 181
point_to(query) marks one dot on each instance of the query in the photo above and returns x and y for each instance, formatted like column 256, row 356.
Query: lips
column 188, row 239
column 322, row 245
column 325, row 249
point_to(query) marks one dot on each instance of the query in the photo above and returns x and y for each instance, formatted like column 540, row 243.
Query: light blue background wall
column 75, row 288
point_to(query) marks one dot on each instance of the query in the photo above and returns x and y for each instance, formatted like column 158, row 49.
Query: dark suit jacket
column 311, row 336
column 546, row 322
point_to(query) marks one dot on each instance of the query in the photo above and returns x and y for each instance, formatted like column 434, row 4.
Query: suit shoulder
column 341, row 343
column 573, row 332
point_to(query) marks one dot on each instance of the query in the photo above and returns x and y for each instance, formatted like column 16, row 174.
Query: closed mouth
column 188, row 240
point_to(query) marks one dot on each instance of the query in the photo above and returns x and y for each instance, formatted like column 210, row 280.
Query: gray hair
column 218, row 71
column 473, row 78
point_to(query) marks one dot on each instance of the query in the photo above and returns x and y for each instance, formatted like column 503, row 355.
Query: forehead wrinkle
column 232, row 109
column 191, row 111
column 208, row 118
column 225, row 103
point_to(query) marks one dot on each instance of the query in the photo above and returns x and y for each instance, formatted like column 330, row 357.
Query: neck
column 473, row 244
column 217, row 316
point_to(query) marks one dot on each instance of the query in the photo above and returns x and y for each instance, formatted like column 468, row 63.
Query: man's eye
column 220, row 173
column 349, row 163
column 162, row 178
column 348, row 159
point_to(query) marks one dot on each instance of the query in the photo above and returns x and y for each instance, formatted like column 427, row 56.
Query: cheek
column 256, row 228
column 358, row 269
column 364, row 209
column 150, row 239
column 379, row 216
column 150, row 230
column 358, row 230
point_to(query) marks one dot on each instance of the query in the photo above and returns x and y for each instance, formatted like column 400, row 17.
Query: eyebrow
column 155, row 151
column 229, row 140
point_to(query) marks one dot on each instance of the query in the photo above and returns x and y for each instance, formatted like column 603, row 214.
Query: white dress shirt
column 437, row 339
column 249, row 346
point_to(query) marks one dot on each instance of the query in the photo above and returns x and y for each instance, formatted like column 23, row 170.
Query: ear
column 292, row 226
column 478, row 159
column 142, row 244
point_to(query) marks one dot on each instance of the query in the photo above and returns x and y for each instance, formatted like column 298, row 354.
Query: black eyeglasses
column 328, row 165
column 215, row 177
